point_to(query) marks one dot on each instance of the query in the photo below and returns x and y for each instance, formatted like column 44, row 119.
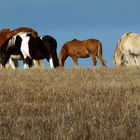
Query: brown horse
column 82, row 49
column 6, row 34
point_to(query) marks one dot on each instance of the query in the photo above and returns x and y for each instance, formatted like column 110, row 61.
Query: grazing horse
column 128, row 50
column 30, row 48
column 81, row 49
column 6, row 34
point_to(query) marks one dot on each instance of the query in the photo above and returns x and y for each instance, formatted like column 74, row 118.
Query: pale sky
column 65, row 20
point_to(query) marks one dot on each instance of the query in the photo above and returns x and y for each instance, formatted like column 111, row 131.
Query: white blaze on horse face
column 51, row 63
column 25, row 47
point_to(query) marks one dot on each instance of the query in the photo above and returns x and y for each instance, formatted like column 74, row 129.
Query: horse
column 6, row 34
column 127, row 52
column 81, row 49
column 30, row 48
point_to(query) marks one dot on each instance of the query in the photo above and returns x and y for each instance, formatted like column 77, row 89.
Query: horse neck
column 118, row 56
column 63, row 56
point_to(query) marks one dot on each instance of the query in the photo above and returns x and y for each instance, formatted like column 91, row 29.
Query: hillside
column 70, row 104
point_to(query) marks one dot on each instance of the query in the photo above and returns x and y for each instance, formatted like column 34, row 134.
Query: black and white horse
column 30, row 48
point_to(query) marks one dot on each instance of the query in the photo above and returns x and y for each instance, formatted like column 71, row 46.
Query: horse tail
column 53, row 53
column 54, row 56
column 99, row 54
column 52, row 45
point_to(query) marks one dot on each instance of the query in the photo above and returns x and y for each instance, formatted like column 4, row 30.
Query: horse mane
column 68, row 42
column 128, row 33
column 74, row 39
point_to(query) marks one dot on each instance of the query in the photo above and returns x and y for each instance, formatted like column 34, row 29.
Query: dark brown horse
column 82, row 49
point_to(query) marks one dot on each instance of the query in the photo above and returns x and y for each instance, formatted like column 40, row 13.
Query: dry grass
column 70, row 104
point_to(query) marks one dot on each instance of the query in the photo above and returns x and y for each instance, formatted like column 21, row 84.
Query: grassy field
column 70, row 104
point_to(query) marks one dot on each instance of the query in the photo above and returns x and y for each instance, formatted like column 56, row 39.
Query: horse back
column 90, row 45
column 50, row 40
column 130, row 43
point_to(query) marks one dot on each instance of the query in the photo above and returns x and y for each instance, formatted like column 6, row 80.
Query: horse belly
column 82, row 54
column 37, row 54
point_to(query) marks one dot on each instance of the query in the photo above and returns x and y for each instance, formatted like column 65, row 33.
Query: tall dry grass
column 70, row 104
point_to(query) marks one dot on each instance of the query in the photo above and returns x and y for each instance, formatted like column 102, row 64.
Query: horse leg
column 75, row 60
column 11, row 63
column 94, row 59
column 51, row 62
column 38, row 63
column 53, row 58
column 136, row 60
column 27, row 62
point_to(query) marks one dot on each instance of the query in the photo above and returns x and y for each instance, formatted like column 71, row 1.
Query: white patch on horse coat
column 11, row 62
column 51, row 63
column 22, row 34
column 41, row 37
column 13, row 39
column 25, row 47
column 26, row 66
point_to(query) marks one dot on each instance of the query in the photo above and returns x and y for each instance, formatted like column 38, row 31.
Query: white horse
column 128, row 50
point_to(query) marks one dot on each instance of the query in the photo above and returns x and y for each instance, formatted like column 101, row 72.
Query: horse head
column 118, row 57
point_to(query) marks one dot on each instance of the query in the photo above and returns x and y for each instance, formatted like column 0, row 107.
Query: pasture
column 70, row 104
